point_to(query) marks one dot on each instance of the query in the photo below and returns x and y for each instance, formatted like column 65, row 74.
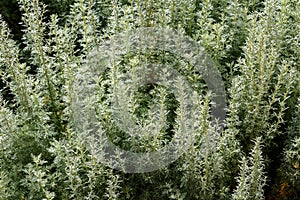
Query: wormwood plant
column 255, row 45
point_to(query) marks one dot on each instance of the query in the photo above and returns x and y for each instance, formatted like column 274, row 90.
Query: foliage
column 255, row 45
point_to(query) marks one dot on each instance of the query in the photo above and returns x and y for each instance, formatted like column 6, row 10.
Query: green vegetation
column 256, row 47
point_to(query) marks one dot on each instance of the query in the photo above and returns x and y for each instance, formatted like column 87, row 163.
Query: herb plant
column 255, row 155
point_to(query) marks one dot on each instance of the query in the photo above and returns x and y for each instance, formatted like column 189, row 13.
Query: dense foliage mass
column 256, row 47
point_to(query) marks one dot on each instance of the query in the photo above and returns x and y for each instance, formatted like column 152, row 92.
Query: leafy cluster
column 43, row 149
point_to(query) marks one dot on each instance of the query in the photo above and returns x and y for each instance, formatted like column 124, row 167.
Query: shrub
column 44, row 153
